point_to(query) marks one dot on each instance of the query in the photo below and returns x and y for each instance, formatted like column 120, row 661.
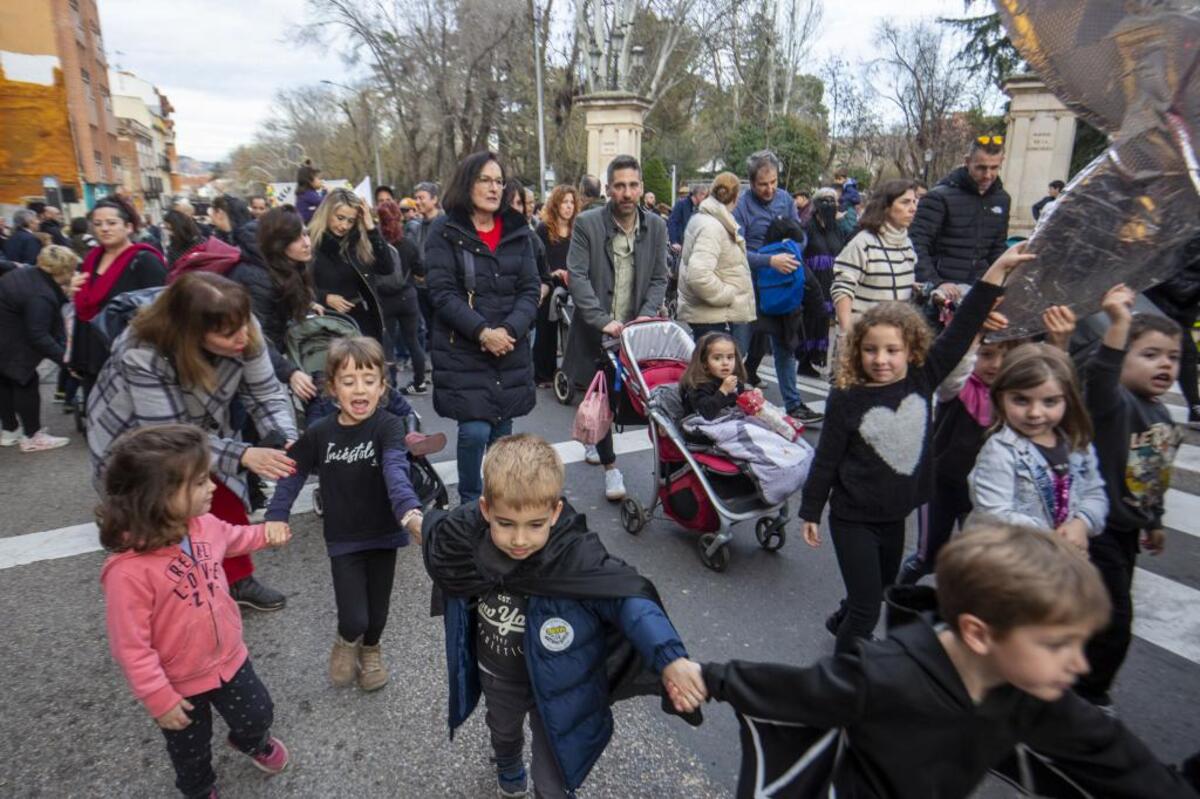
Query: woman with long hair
column 183, row 234
column 233, row 224
column 348, row 254
column 483, row 281
column 116, row 266
column 554, row 231
column 401, row 311
column 184, row 359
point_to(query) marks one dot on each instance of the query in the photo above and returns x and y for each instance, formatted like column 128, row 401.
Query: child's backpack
column 780, row 294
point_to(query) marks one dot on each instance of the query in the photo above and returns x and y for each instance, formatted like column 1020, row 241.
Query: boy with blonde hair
column 956, row 691
column 542, row 621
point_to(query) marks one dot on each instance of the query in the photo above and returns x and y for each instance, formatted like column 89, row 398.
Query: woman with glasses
column 482, row 275
column 348, row 253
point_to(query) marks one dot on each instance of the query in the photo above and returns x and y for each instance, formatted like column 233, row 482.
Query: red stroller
column 697, row 489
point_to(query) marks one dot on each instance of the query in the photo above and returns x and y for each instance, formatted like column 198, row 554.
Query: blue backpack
column 780, row 294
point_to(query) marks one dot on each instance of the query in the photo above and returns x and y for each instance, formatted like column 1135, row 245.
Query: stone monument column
column 614, row 122
column 1037, row 147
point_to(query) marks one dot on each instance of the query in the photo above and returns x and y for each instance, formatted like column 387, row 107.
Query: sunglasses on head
column 986, row 140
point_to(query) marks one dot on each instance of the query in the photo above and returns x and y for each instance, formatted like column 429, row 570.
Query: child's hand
column 995, row 321
column 278, row 533
column 1076, row 532
column 413, row 525
column 812, row 534
column 1059, row 321
column 1118, row 303
column 176, row 718
column 685, row 685
column 1013, row 257
column 729, row 385
column 1154, row 541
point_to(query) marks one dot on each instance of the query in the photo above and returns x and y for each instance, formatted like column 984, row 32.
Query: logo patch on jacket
column 997, row 209
column 556, row 634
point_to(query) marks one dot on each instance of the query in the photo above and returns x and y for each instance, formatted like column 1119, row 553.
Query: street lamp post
column 541, row 114
column 370, row 126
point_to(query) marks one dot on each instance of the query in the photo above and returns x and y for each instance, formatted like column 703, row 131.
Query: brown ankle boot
column 372, row 673
column 343, row 661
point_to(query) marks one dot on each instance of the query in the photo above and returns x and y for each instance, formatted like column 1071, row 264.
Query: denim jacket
column 1012, row 481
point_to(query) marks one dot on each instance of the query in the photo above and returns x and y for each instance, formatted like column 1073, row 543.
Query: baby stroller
column 308, row 343
column 696, row 488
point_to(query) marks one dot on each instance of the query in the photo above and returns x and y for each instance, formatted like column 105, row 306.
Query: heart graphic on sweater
column 898, row 436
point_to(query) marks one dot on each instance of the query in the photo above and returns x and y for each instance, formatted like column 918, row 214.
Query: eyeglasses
column 986, row 140
column 484, row 180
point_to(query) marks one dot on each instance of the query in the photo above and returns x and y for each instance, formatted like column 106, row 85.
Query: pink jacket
column 172, row 626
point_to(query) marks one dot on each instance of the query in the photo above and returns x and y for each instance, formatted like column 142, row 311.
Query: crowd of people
column 177, row 342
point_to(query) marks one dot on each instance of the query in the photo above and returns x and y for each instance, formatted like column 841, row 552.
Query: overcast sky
column 220, row 61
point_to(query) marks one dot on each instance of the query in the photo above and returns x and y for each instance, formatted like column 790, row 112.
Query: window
column 116, row 159
column 87, row 76
column 98, row 157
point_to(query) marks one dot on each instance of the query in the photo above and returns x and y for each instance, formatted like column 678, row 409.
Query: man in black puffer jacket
column 962, row 224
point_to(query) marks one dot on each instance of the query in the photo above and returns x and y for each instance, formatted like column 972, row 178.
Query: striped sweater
column 875, row 268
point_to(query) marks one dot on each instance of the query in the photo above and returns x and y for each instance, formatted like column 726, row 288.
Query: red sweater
column 173, row 628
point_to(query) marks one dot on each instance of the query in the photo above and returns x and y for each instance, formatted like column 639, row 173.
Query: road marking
column 1183, row 512
column 1167, row 614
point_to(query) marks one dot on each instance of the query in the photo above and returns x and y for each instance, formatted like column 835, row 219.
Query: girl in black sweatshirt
column 714, row 377
column 872, row 455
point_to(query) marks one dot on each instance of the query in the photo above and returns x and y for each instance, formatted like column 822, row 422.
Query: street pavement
column 69, row 726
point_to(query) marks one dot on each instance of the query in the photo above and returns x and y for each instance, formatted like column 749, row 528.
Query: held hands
column 1153, row 541
column 1060, row 324
column 812, row 534
column 412, row 523
column 497, row 341
column 302, row 385
column 729, row 385
column 278, row 533
column 270, row 463
column 784, row 263
column 176, row 718
column 685, row 685
column 1075, row 532
column 1118, row 303
column 338, row 303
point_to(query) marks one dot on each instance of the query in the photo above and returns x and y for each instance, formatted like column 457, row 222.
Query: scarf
column 976, row 397
column 92, row 296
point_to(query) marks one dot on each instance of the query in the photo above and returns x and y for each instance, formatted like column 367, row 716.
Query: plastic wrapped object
column 1132, row 69
column 755, row 406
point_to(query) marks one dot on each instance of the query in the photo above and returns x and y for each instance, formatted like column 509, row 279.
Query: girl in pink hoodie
column 172, row 626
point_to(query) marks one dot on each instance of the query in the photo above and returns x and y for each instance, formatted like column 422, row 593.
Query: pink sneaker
column 273, row 760
column 42, row 441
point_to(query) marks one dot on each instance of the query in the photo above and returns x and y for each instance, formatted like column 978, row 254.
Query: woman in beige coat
column 715, row 290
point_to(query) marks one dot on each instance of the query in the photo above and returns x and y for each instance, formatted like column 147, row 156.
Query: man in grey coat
column 618, row 269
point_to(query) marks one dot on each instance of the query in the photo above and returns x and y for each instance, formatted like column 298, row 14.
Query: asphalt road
column 70, row 727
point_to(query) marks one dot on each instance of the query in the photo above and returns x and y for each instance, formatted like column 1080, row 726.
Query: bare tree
column 854, row 123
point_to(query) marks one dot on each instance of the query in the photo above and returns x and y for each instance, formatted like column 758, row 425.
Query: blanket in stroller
column 777, row 466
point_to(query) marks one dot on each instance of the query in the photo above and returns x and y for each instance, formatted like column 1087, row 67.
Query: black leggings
column 949, row 505
column 545, row 344
column 362, row 588
column 1187, row 362
column 20, row 401
column 408, row 320
column 1114, row 554
column 246, row 707
column 868, row 554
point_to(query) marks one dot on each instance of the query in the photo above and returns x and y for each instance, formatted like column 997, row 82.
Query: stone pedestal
column 1037, row 149
column 614, row 122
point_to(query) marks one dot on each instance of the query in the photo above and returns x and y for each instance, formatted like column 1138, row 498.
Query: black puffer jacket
column 31, row 322
column 958, row 232
column 336, row 270
column 471, row 383
column 245, row 239
column 268, row 307
column 394, row 289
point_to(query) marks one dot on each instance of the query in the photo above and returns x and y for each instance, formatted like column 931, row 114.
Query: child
column 872, row 452
column 928, row 711
column 1136, row 440
column 960, row 425
column 370, row 508
column 173, row 628
column 520, row 559
column 1038, row 467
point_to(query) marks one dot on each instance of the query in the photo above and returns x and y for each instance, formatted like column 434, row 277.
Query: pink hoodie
column 172, row 626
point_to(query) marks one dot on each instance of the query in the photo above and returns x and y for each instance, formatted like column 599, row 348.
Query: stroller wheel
column 633, row 516
column 771, row 533
column 318, row 507
column 564, row 388
column 717, row 561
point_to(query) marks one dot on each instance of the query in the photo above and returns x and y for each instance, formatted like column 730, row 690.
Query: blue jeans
column 785, row 373
column 474, row 437
column 740, row 331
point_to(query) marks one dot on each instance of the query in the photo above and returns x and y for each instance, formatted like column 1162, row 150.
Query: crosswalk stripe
column 1167, row 614
column 1183, row 512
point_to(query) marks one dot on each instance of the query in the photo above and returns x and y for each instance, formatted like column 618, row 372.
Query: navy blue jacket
column 472, row 383
column 23, row 247
column 567, row 641
column 677, row 223
column 31, row 322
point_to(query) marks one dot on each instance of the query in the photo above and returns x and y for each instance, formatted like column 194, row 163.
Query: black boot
column 250, row 593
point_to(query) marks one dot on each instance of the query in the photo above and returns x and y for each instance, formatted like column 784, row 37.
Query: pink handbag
column 594, row 417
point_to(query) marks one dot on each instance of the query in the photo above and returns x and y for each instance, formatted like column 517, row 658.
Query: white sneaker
column 614, row 485
column 42, row 441
column 590, row 454
column 10, row 437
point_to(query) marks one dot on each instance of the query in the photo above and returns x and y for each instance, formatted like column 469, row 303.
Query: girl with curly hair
column 872, row 455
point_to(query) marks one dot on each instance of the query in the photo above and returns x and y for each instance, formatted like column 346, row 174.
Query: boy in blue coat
column 543, row 621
